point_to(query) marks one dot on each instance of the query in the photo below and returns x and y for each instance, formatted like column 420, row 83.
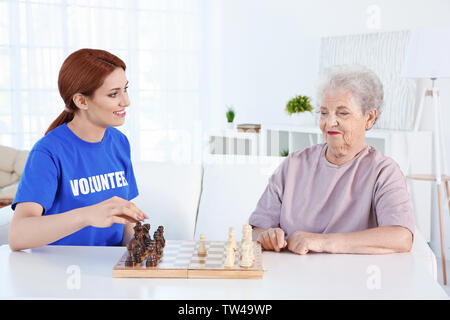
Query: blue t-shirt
column 64, row 172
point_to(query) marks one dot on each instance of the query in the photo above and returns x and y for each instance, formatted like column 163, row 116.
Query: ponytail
column 64, row 117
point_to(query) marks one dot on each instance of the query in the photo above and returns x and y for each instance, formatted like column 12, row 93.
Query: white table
column 86, row 272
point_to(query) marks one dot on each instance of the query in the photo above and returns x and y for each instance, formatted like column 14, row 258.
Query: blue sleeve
column 134, row 192
column 132, row 183
column 39, row 181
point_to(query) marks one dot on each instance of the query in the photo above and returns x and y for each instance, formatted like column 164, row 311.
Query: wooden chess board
column 180, row 260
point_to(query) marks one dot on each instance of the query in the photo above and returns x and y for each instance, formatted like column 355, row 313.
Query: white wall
column 265, row 51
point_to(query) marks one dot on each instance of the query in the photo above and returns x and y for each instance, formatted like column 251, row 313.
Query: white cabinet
column 411, row 150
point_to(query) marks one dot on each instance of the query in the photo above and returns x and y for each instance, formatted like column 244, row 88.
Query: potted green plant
column 284, row 152
column 299, row 104
column 230, row 117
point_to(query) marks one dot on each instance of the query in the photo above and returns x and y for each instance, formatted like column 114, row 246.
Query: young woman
column 78, row 180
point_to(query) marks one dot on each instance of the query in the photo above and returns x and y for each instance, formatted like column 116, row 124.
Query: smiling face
column 107, row 105
column 342, row 122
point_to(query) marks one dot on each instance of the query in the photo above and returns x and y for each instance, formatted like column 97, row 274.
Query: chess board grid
column 180, row 260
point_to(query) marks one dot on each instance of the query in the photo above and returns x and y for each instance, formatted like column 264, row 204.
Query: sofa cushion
column 9, row 192
column 20, row 162
column 12, row 163
column 8, row 158
column 230, row 192
column 8, row 178
column 169, row 195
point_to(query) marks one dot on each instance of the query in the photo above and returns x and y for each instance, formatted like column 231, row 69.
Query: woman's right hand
column 112, row 210
column 272, row 239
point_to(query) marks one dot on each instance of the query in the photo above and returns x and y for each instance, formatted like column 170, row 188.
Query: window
column 160, row 42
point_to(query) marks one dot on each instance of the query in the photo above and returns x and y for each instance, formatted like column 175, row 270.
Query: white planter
column 230, row 125
column 306, row 119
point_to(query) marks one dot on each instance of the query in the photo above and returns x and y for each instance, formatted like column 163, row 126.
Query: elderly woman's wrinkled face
column 342, row 121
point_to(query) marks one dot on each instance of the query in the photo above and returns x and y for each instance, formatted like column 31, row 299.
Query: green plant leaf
column 298, row 104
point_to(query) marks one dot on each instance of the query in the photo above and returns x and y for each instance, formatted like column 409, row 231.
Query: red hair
column 83, row 72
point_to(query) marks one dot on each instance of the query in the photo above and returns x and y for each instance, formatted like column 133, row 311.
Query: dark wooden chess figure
column 152, row 260
column 142, row 247
column 135, row 247
column 158, row 246
column 134, row 253
column 161, row 233
column 151, row 246
column 159, row 238
column 137, row 226
column 130, row 261
column 146, row 236
column 139, row 237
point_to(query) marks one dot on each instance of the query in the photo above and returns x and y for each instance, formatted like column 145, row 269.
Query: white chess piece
column 251, row 250
column 246, row 256
column 246, row 233
column 231, row 239
column 250, row 233
column 202, row 251
column 230, row 257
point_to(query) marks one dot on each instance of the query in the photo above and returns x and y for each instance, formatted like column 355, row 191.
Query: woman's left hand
column 302, row 242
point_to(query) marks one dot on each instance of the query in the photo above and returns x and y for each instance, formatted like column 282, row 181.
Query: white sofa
column 189, row 200
column 12, row 163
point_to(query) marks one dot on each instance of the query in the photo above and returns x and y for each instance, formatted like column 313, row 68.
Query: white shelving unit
column 410, row 149
column 228, row 142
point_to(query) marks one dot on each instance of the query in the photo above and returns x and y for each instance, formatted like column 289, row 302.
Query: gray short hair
column 360, row 81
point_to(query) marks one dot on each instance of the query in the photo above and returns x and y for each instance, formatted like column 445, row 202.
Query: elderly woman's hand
column 272, row 239
column 302, row 242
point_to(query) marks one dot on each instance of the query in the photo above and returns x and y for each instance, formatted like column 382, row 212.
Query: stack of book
column 248, row 127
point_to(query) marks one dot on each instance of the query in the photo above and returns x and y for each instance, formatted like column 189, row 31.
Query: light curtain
column 159, row 40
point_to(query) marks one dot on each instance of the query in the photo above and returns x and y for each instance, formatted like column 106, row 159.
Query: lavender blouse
column 308, row 193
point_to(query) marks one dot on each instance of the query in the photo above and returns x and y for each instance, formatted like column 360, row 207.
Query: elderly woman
column 341, row 196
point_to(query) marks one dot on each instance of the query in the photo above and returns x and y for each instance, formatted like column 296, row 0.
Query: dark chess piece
column 134, row 253
column 137, row 230
column 146, row 237
column 151, row 246
column 142, row 245
column 161, row 233
column 137, row 227
column 158, row 249
column 130, row 261
column 139, row 253
column 138, row 256
column 136, row 248
column 153, row 251
column 152, row 260
column 139, row 237
column 158, row 240
column 158, row 236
